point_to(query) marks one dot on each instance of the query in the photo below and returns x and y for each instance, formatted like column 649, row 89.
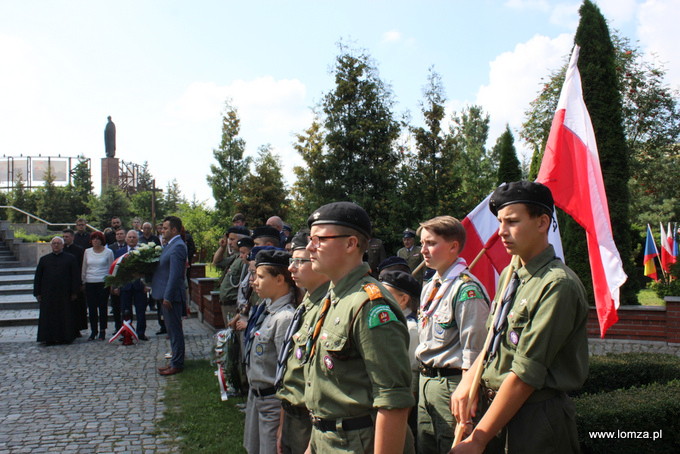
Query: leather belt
column 298, row 411
column 432, row 372
column 264, row 392
column 331, row 425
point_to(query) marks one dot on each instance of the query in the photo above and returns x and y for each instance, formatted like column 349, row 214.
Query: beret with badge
column 239, row 230
column 346, row 214
column 265, row 231
column 245, row 242
column 299, row 241
column 527, row 192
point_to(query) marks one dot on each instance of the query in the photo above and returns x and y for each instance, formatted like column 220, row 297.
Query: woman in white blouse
column 96, row 263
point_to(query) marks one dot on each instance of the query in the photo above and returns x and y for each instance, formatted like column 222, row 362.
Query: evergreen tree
column 227, row 175
column 21, row 198
column 266, row 195
column 204, row 226
column 140, row 206
column 80, row 188
column 597, row 65
column 307, row 193
column 172, row 197
column 52, row 201
column 144, row 179
column 113, row 202
column 508, row 167
column 473, row 171
column 425, row 195
column 360, row 137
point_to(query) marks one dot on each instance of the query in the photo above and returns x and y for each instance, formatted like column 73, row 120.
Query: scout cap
column 272, row 257
column 265, row 231
column 347, row 214
column 254, row 251
column 299, row 241
column 527, row 192
column 239, row 230
column 409, row 233
column 402, row 281
column 245, row 242
column 393, row 261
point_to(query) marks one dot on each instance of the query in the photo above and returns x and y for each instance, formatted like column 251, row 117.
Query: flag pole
column 474, row 389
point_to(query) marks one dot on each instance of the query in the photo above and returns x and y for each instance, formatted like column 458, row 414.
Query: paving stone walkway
column 87, row 397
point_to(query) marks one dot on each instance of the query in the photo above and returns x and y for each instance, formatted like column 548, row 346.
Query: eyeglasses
column 297, row 262
column 316, row 239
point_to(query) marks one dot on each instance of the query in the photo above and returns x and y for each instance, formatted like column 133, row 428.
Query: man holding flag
column 539, row 348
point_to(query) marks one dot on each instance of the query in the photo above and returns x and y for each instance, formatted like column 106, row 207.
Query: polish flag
column 571, row 169
column 481, row 228
column 667, row 257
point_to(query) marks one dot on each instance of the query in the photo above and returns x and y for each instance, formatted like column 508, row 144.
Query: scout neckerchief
column 282, row 360
column 311, row 341
column 428, row 307
column 257, row 318
column 502, row 318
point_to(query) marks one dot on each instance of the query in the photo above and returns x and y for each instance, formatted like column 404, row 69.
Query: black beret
column 347, row 214
column 266, row 231
column 526, row 192
column 238, row 229
column 287, row 227
column 392, row 261
column 245, row 242
column 272, row 257
column 409, row 233
column 402, row 281
column 300, row 241
column 254, row 251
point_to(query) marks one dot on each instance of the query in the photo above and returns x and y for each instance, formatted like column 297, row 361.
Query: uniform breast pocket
column 335, row 344
column 516, row 326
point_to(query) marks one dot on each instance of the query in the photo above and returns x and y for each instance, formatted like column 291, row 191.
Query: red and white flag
column 667, row 257
column 571, row 169
column 481, row 228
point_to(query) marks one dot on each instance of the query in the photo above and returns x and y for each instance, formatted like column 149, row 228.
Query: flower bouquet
column 134, row 265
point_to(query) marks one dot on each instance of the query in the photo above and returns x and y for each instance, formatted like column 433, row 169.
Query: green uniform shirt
column 293, row 387
column 231, row 279
column 359, row 368
column 544, row 342
column 413, row 258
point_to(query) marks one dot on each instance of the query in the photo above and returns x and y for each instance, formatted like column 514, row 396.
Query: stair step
column 16, row 278
column 12, row 264
column 18, row 302
column 17, row 270
column 16, row 289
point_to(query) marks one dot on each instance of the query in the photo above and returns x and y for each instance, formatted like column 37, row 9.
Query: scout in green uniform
column 453, row 309
column 357, row 374
column 227, row 259
column 540, row 350
column 411, row 252
column 296, row 427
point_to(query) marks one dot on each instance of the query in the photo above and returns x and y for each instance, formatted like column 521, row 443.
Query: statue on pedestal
column 110, row 139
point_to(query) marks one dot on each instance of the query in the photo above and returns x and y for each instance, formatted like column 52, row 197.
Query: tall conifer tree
column 508, row 166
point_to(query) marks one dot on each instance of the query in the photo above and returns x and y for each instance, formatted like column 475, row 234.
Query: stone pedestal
column 110, row 174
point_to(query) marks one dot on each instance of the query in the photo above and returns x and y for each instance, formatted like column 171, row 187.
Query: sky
column 164, row 69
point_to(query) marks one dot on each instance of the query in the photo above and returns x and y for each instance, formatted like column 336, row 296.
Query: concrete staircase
column 18, row 306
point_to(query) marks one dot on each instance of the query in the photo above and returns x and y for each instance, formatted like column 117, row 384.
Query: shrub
column 621, row 371
column 631, row 417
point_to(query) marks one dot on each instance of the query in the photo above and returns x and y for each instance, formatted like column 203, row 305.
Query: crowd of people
column 70, row 282
column 345, row 349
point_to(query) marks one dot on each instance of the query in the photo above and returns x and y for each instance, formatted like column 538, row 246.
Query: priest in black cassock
column 55, row 287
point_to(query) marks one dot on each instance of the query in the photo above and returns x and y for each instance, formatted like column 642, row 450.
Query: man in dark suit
column 119, row 247
column 79, row 306
column 169, row 285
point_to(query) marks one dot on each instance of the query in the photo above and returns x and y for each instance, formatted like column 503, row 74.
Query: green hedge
column 628, row 414
column 621, row 371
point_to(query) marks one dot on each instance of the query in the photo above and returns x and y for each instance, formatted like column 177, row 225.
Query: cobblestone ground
column 87, row 397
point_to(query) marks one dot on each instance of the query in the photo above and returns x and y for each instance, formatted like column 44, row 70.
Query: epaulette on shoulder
column 373, row 291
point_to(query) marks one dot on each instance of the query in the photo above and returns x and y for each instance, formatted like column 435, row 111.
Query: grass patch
column 212, row 271
column 648, row 297
column 197, row 417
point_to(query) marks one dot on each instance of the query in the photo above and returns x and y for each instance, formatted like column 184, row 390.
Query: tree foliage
column 360, row 133
column 203, row 224
column 508, row 167
column 228, row 174
column 113, row 202
column 307, row 192
column 266, row 194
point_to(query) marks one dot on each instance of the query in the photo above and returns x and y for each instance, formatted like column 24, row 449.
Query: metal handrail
column 56, row 224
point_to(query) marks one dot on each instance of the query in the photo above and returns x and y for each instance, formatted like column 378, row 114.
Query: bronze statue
column 110, row 139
